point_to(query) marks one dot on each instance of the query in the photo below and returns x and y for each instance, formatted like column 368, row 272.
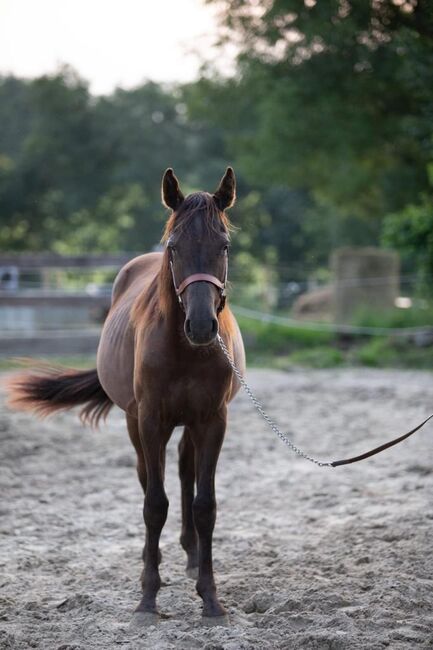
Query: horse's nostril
column 214, row 326
column 188, row 327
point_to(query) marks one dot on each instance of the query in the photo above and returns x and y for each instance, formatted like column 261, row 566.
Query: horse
column 159, row 361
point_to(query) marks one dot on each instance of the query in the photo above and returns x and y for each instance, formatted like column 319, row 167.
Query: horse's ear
column 172, row 197
column 226, row 193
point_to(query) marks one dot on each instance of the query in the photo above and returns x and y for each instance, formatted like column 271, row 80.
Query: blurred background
column 324, row 108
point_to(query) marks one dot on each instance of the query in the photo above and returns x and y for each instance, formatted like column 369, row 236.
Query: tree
column 78, row 171
column 337, row 99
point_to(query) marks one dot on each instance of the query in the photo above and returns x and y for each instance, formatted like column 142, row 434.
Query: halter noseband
column 201, row 277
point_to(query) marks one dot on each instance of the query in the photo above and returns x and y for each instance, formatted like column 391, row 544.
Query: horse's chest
column 183, row 388
column 190, row 398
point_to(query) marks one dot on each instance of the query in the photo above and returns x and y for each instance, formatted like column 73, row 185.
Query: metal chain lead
column 263, row 413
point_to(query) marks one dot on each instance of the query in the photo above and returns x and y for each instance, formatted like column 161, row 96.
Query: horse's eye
column 225, row 250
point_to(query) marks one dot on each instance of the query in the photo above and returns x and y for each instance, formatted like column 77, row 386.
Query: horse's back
column 135, row 276
column 115, row 358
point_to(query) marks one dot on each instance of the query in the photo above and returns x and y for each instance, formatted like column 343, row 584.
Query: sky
column 109, row 42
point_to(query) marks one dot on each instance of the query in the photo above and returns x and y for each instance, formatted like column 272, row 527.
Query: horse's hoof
column 144, row 619
column 192, row 572
column 212, row 621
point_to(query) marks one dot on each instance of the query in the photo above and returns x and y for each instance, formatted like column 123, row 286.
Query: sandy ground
column 304, row 557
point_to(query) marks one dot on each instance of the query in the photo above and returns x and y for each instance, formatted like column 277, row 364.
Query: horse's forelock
column 198, row 202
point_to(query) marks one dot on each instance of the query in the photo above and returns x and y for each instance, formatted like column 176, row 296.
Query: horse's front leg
column 154, row 437
column 208, row 442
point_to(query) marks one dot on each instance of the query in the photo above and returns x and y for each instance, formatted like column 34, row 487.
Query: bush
column 378, row 352
column 394, row 353
column 394, row 318
column 411, row 233
column 277, row 339
column 320, row 357
column 270, row 345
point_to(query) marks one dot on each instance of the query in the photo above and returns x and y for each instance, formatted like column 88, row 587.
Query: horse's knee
column 204, row 510
column 155, row 509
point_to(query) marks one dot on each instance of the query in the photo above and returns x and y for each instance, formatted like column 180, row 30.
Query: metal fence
column 48, row 303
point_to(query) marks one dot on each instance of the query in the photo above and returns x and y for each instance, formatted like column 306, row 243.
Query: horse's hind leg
column 188, row 537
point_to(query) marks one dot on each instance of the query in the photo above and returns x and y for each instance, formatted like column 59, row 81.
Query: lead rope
column 289, row 443
column 282, row 436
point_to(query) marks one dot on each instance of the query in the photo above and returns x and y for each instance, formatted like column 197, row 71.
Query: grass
column 276, row 346
column 320, row 357
column 388, row 353
column 269, row 337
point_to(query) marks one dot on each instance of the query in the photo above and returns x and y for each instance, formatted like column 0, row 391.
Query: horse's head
column 197, row 240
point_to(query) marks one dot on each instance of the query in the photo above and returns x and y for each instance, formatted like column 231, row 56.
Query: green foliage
column 418, row 316
column 277, row 339
column 334, row 99
column 107, row 227
column 280, row 347
column 320, row 357
column 378, row 352
column 79, row 173
column 327, row 121
column 393, row 353
column 83, row 174
column 411, row 232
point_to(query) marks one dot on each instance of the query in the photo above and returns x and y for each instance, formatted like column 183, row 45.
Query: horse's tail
column 50, row 389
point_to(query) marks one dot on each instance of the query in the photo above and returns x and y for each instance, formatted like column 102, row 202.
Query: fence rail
column 331, row 327
column 33, row 261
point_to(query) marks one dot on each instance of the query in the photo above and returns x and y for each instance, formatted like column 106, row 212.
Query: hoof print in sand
column 78, row 601
column 260, row 603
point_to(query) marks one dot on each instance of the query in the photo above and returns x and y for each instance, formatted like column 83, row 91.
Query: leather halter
column 201, row 277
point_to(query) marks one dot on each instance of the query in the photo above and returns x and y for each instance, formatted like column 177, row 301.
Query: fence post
column 364, row 277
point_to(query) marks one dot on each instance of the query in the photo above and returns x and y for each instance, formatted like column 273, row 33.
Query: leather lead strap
column 377, row 450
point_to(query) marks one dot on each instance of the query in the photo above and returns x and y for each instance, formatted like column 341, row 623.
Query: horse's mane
column 159, row 299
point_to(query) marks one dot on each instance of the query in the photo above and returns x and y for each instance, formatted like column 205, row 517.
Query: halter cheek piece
column 201, row 277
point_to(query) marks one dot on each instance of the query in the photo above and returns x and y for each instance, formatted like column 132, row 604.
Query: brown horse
column 159, row 361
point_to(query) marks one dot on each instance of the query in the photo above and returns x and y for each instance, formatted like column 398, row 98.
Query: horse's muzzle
column 201, row 331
